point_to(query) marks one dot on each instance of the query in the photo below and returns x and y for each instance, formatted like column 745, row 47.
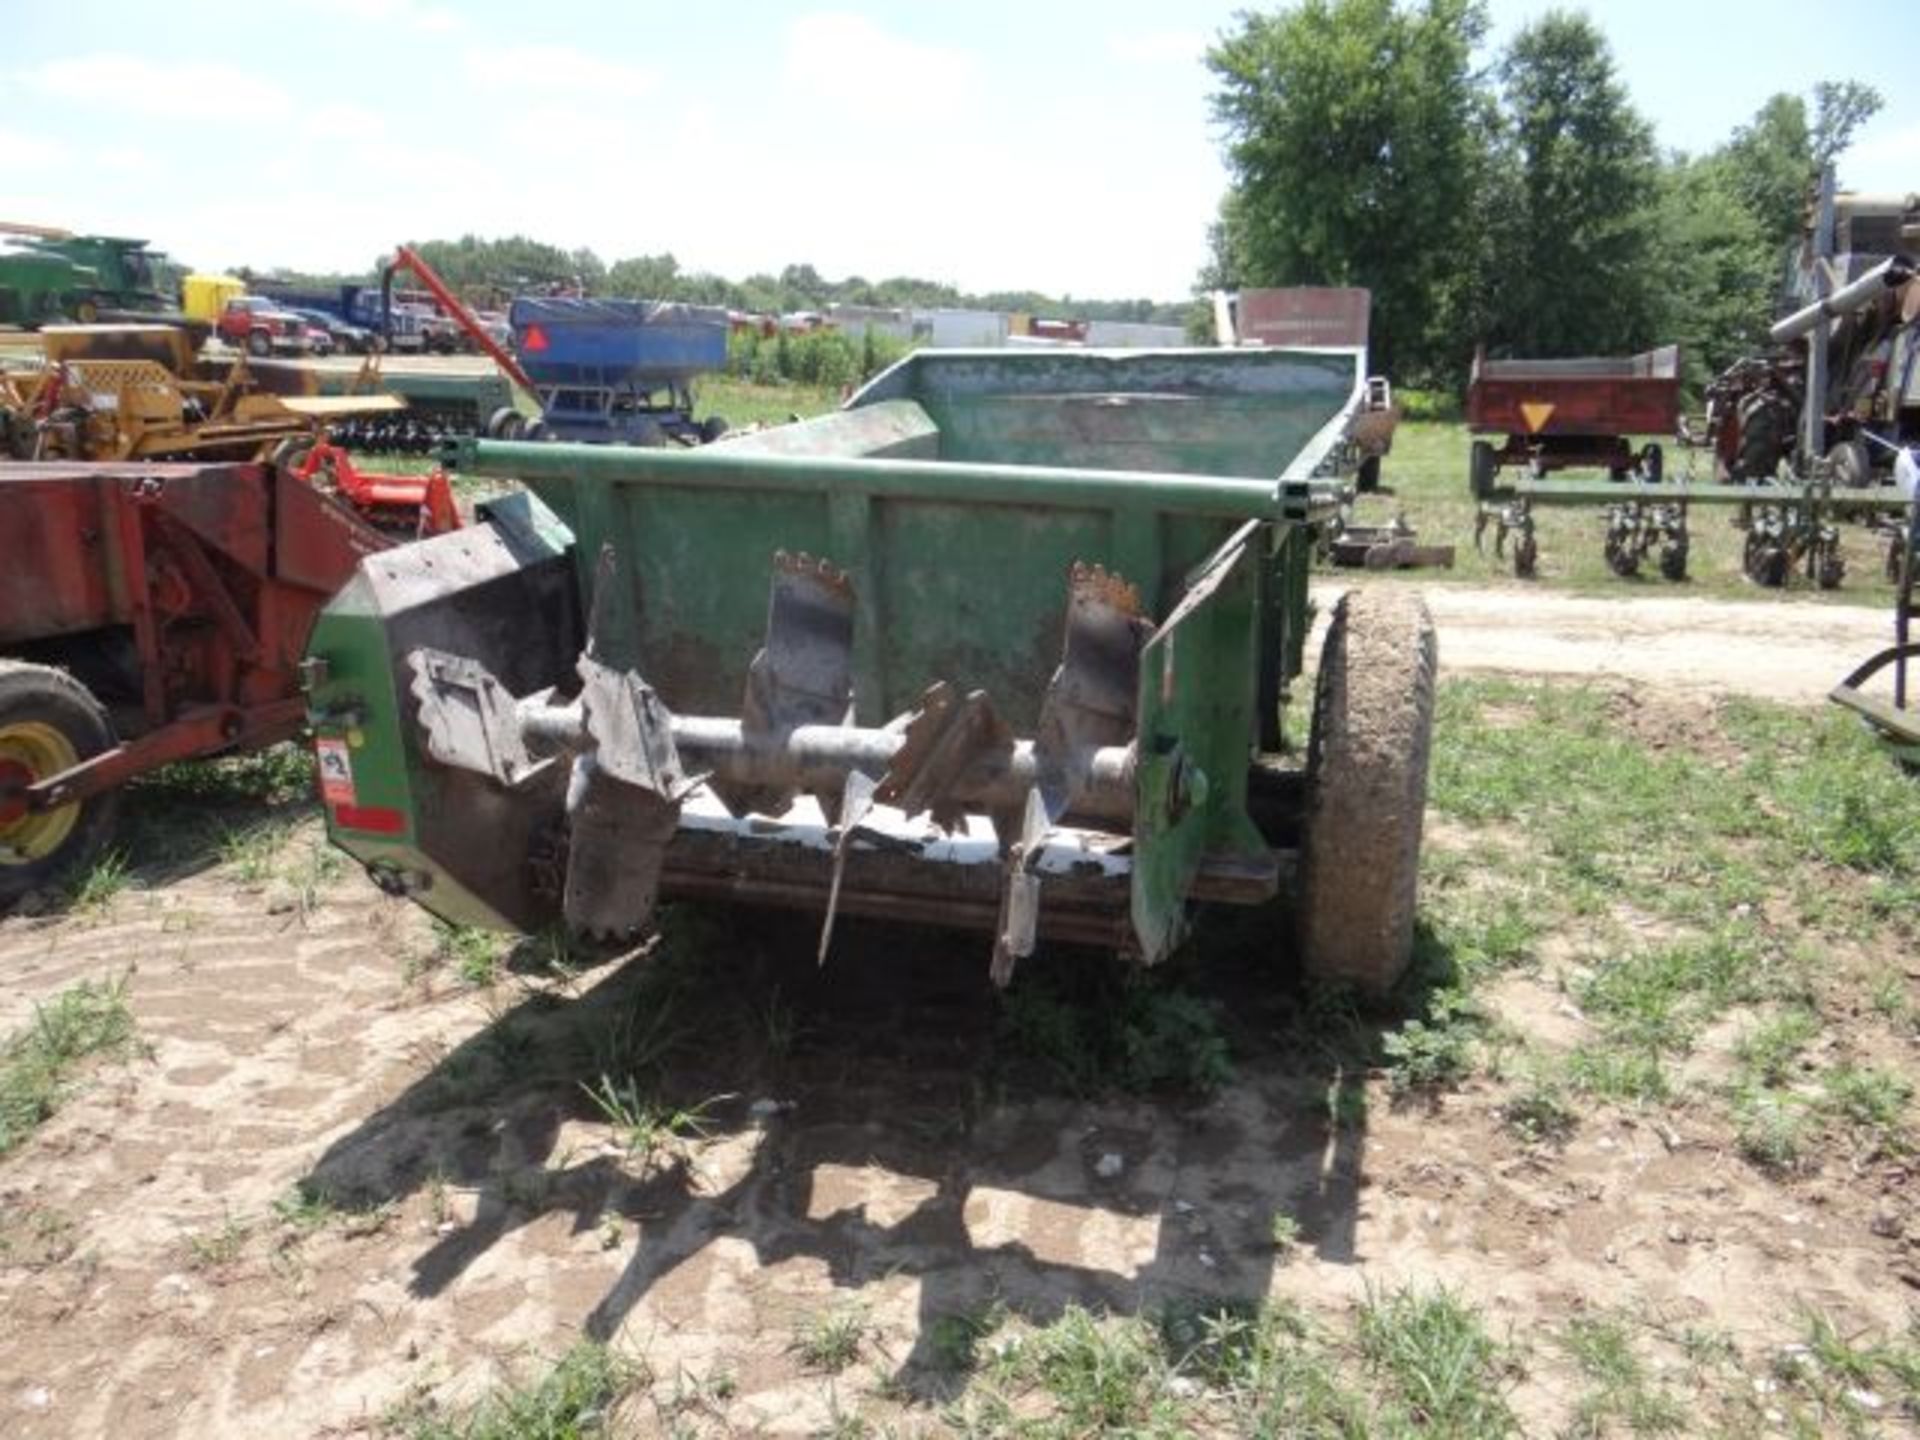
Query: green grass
column 1435, row 1358
column 39, row 1062
column 1427, row 473
column 1096, row 1027
column 646, row 1125
column 1693, row 889
column 1827, row 1376
column 1413, row 1363
column 95, row 890
column 743, row 403
column 475, row 954
column 573, row 1400
column 829, row 1340
column 209, row 1249
column 252, row 851
column 1620, row 1391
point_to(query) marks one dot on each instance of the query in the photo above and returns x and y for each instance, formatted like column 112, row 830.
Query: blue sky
column 1059, row 144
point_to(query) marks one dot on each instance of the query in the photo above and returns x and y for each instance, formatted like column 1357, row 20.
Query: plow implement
column 1004, row 645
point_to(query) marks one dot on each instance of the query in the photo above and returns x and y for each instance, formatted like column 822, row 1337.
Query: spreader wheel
column 49, row 722
column 1367, row 790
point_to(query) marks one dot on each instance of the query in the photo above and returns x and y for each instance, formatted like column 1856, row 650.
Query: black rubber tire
column 1526, row 558
column 1367, row 478
column 1653, row 463
column 42, row 694
column 1367, row 790
column 506, row 423
column 1764, row 426
column 259, row 344
column 87, row 312
column 1481, row 471
column 711, row 429
column 1852, row 465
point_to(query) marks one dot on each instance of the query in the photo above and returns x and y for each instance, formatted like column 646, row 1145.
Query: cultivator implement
column 1034, row 699
column 1792, row 527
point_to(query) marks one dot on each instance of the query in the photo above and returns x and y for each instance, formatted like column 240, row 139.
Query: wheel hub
column 29, row 752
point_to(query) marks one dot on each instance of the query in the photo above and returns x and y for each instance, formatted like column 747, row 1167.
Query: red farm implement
column 149, row 613
column 1566, row 414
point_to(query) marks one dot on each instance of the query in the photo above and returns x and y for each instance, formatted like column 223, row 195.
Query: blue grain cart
column 618, row 371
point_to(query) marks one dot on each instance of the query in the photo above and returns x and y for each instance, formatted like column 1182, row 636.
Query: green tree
column 1578, row 233
column 1840, row 107
column 1715, row 267
column 1772, row 161
column 1768, row 163
column 1353, row 138
column 645, row 277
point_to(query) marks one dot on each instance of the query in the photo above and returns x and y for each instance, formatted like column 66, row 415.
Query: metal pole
column 1813, row 413
column 1890, row 274
column 715, row 467
column 819, row 756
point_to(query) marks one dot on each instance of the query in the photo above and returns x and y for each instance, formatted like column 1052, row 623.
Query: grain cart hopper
column 1003, row 643
column 616, row 371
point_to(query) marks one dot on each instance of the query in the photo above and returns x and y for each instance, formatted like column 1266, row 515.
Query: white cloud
column 176, row 90
column 21, row 151
column 584, row 77
column 123, row 159
column 835, row 55
column 432, row 19
column 1157, row 47
column 1888, row 161
column 338, row 120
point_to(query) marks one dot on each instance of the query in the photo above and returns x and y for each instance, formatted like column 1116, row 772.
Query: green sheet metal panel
column 1195, row 706
column 1247, row 413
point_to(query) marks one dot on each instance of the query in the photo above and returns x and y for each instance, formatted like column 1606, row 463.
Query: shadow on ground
column 890, row 1114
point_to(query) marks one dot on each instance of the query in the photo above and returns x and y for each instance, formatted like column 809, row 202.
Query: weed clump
column 37, row 1062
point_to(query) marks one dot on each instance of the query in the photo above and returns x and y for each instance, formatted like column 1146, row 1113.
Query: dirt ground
column 1774, row 649
column 863, row 1155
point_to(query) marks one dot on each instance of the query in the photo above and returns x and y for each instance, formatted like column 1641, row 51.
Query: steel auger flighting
column 634, row 765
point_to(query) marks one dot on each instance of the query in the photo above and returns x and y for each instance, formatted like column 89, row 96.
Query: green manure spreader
column 1004, row 643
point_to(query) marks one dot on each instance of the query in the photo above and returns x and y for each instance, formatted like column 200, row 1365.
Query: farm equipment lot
column 1642, row 1165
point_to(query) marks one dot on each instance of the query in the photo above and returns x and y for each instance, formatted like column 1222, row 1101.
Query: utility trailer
column 1003, row 643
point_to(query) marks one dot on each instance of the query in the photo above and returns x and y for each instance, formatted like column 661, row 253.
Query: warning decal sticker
column 336, row 770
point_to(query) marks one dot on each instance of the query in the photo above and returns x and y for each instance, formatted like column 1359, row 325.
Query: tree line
column 1522, row 204
column 488, row 271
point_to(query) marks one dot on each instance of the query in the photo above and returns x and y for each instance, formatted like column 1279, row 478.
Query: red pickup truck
column 262, row 327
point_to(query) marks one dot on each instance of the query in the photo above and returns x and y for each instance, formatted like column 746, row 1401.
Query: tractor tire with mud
column 49, row 722
column 1367, row 790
